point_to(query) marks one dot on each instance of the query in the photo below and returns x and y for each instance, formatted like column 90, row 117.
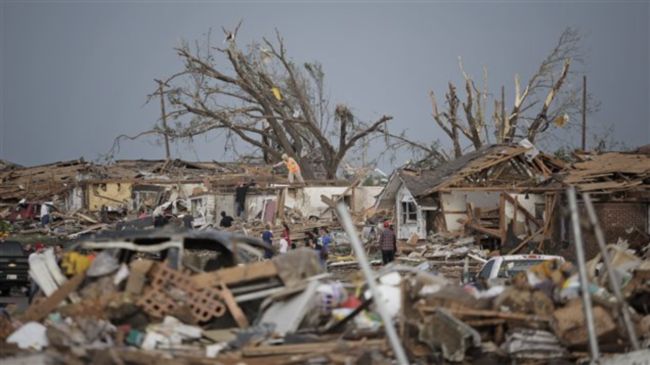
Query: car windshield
column 511, row 267
column 11, row 249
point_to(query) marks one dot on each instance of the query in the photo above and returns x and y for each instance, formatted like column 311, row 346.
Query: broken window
column 409, row 212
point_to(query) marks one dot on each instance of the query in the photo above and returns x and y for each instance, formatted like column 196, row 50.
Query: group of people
column 317, row 240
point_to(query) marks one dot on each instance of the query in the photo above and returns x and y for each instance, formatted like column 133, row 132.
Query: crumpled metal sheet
column 533, row 344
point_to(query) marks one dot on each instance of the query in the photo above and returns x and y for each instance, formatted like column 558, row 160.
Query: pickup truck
column 498, row 270
column 14, row 267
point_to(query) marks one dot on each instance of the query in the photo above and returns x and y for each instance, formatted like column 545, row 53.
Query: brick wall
column 615, row 218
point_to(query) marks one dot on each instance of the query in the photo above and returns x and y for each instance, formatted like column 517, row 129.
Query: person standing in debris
column 46, row 208
column 226, row 220
column 287, row 234
column 267, row 237
column 325, row 241
column 293, row 167
column 387, row 243
column 284, row 243
column 160, row 215
column 240, row 196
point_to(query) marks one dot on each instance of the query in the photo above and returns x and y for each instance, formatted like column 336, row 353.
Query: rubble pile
column 453, row 256
column 207, row 296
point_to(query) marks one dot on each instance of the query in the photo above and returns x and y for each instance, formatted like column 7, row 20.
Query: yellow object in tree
column 561, row 120
column 74, row 263
column 276, row 93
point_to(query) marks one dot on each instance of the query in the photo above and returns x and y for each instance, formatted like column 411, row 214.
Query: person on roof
column 293, row 167
column 387, row 243
column 240, row 196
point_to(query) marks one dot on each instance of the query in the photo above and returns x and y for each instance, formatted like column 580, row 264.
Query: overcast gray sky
column 76, row 74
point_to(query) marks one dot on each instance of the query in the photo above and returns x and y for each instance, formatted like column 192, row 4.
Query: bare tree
column 545, row 99
column 264, row 99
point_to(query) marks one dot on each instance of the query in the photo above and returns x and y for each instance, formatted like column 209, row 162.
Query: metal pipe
column 613, row 282
column 582, row 270
column 346, row 221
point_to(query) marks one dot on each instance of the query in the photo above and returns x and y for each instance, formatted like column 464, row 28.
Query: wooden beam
column 462, row 312
column 38, row 311
column 316, row 347
column 235, row 275
column 233, row 307
column 518, row 206
column 525, row 241
column 502, row 218
column 477, row 227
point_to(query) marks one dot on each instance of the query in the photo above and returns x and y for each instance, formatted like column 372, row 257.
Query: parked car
column 14, row 268
column 498, row 270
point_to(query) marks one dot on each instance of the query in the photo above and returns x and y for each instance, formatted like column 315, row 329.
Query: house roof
column 610, row 171
column 477, row 169
column 485, row 168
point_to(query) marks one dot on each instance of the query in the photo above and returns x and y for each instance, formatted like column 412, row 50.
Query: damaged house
column 496, row 192
column 619, row 185
column 204, row 188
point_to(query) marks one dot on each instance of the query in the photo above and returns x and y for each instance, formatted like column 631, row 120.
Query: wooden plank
column 303, row 348
column 233, row 307
column 525, row 241
column 237, row 274
column 502, row 218
column 354, row 184
column 519, row 207
column 477, row 227
column 462, row 312
column 38, row 311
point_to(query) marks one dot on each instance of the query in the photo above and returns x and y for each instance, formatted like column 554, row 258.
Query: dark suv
column 14, row 267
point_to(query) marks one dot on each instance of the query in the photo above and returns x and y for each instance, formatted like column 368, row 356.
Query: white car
column 501, row 268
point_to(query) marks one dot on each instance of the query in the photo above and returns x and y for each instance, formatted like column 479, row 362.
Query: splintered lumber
column 233, row 307
column 466, row 312
column 38, row 311
column 237, row 274
column 304, row 348
column 525, row 241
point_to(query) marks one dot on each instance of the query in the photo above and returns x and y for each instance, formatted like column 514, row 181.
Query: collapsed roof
column 610, row 172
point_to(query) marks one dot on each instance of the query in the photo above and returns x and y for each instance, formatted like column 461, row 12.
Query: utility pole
column 503, row 113
column 164, row 118
column 584, row 112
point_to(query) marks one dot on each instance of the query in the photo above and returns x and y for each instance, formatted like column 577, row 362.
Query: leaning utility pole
column 164, row 118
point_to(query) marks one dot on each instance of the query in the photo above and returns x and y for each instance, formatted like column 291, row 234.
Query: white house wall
column 74, row 200
column 456, row 201
column 406, row 230
column 527, row 203
column 308, row 201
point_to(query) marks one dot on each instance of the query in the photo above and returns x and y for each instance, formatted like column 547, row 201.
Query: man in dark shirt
column 267, row 237
column 240, row 196
column 387, row 244
column 226, row 220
